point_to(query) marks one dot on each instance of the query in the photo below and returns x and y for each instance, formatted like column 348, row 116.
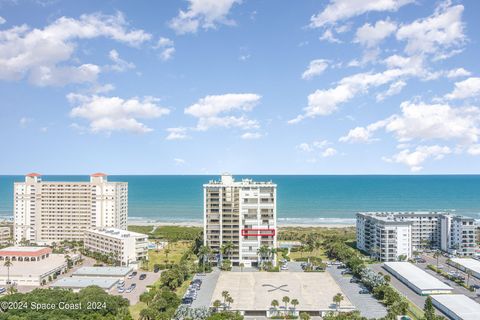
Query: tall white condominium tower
column 391, row 235
column 243, row 213
column 47, row 211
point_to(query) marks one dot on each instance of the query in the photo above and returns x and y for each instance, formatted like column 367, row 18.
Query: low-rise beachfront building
column 127, row 247
column 242, row 214
column 77, row 283
column 30, row 266
column 417, row 279
column 103, row 272
column 467, row 265
column 253, row 293
column 391, row 235
column 5, row 235
column 53, row 211
column 457, row 306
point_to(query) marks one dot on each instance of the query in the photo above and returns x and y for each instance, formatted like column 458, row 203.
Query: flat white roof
column 417, row 276
column 118, row 233
column 103, row 271
column 459, row 304
column 74, row 282
column 33, row 268
column 468, row 263
column 254, row 291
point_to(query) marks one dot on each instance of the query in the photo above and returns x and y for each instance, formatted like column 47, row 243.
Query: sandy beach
column 200, row 224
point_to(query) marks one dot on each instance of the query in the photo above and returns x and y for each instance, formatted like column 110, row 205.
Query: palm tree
column 204, row 254
column 166, row 251
column 436, row 255
column 469, row 273
column 12, row 290
column 229, row 301
column 337, row 299
column 263, row 252
column 227, row 249
column 294, row 303
column 8, row 264
column 286, row 300
column 275, row 305
column 225, row 295
column 216, row 304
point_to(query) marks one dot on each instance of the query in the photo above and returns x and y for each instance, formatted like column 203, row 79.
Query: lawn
column 136, row 308
column 168, row 233
column 176, row 250
column 320, row 253
column 174, row 233
column 141, row 229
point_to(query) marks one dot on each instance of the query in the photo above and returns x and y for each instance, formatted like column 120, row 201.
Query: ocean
column 302, row 199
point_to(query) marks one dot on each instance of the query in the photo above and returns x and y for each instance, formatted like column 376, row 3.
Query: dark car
column 142, row 276
column 364, row 291
column 134, row 273
column 354, row 280
column 156, row 269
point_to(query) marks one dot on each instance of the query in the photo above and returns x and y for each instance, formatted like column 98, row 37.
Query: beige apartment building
column 5, row 234
column 48, row 211
column 242, row 213
column 128, row 247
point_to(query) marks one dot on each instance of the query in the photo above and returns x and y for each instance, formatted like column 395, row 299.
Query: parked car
column 121, row 289
column 354, row 280
column 142, row 276
column 156, row 269
column 2, row 290
column 284, row 267
column 364, row 291
column 131, row 288
column 120, row 283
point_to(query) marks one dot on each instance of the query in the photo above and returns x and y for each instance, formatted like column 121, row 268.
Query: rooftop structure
column 53, row 211
column 77, row 283
column 253, row 292
column 242, row 213
column 457, row 306
column 466, row 264
column 117, row 272
column 417, row 279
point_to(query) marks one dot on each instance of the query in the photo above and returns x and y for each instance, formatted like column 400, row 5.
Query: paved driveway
column 209, row 281
column 367, row 305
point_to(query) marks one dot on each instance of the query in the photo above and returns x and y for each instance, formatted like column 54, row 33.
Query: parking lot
column 204, row 295
column 141, row 286
column 367, row 305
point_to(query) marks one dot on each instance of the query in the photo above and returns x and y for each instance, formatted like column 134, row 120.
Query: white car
column 121, row 289
column 284, row 267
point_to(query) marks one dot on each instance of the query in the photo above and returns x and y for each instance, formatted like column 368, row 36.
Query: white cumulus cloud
column 166, row 47
column 179, row 133
column 38, row 53
column 415, row 158
column 110, row 114
column 338, row 10
column 205, row 14
column 370, row 35
column 465, row 89
column 439, row 32
column 315, row 68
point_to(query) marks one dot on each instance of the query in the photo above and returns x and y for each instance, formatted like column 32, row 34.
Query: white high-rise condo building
column 48, row 211
column 392, row 235
column 242, row 214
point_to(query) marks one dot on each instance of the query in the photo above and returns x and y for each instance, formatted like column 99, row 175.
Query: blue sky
column 206, row 86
